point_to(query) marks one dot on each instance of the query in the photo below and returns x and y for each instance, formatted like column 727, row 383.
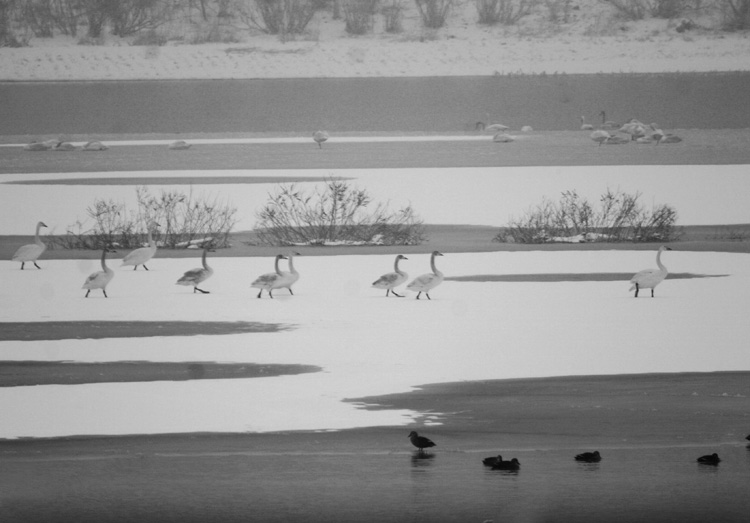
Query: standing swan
column 195, row 276
column 32, row 251
column 429, row 281
column 320, row 137
column 141, row 256
column 392, row 279
column 99, row 279
column 650, row 278
column 270, row 280
column 288, row 278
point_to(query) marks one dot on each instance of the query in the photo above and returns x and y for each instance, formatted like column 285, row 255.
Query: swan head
column 401, row 257
column 282, row 257
column 437, row 253
column 665, row 248
column 41, row 224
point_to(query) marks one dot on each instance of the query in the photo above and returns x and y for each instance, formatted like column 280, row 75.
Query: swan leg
column 87, row 293
column 144, row 266
column 290, row 291
column 135, row 267
column 37, row 266
column 397, row 295
column 259, row 294
column 428, row 296
column 637, row 288
column 22, row 264
column 200, row 290
column 105, row 293
column 420, row 292
column 652, row 292
column 269, row 293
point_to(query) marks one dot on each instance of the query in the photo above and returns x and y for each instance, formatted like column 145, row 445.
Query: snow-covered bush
column 618, row 217
column 335, row 214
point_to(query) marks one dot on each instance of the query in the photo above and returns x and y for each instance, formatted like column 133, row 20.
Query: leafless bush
column 736, row 14
column 278, row 17
column 559, row 10
column 393, row 14
column 434, row 12
column 182, row 218
column 337, row 213
column 359, row 15
column 618, row 217
column 638, row 9
column 506, row 12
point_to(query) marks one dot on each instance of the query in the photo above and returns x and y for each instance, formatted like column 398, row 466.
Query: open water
column 644, row 484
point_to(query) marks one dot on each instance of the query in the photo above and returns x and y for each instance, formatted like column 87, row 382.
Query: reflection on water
column 650, row 484
column 421, row 459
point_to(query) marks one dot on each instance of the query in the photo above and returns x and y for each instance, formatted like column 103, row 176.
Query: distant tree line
column 20, row 20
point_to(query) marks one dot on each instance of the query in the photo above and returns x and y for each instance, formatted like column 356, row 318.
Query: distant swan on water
column 393, row 279
column 270, row 280
column 426, row 282
column 650, row 278
column 142, row 255
column 320, row 137
column 99, row 279
column 196, row 276
column 31, row 251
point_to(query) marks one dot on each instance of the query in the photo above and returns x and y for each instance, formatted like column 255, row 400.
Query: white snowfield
column 366, row 344
column 702, row 194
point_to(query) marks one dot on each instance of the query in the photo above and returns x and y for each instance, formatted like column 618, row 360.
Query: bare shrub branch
column 618, row 217
column 334, row 214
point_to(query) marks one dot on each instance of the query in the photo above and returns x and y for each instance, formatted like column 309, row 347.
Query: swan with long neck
column 290, row 277
column 143, row 254
column 99, row 279
column 650, row 278
column 270, row 280
column 196, row 276
column 31, row 251
column 426, row 282
column 393, row 279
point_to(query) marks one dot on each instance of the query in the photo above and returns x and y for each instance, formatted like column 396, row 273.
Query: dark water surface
column 439, row 104
column 629, row 484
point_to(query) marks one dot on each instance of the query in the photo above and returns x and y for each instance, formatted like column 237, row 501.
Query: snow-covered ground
column 594, row 40
column 366, row 344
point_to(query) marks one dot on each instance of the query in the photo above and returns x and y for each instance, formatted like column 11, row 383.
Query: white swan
column 502, row 137
column 31, row 251
column 270, row 280
column 320, row 137
column 429, row 281
column 393, row 279
column 491, row 127
column 99, row 279
column 634, row 128
column 600, row 136
column 195, row 276
column 94, row 146
column 142, row 255
column 586, row 126
column 650, row 278
column 288, row 278
column 179, row 145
